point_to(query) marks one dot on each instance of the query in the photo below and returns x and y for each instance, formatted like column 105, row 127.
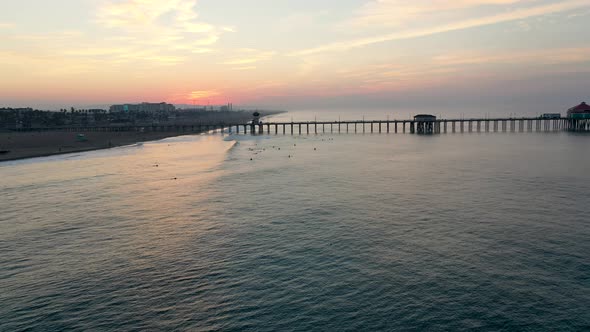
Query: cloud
column 108, row 52
column 7, row 25
column 147, row 31
column 244, row 68
column 249, row 56
column 202, row 94
column 514, row 15
column 468, row 67
column 400, row 12
column 14, row 64
column 131, row 14
column 54, row 36
column 300, row 21
column 524, row 57
column 201, row 50
column 164, row 24
column 579, row 14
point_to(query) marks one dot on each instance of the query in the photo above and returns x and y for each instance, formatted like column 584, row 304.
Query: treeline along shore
column 27, row 133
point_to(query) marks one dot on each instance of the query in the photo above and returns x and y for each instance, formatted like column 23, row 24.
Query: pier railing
column 537, row 124
column 438, row 126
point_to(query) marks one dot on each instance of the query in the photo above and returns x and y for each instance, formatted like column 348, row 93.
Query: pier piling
column 423, row 124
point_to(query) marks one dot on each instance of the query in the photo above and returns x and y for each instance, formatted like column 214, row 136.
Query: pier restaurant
column 581, row 111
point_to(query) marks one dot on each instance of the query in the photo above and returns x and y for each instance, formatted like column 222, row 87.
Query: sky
column 293, row 54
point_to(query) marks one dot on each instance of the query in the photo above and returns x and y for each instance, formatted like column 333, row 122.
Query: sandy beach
column 14, row 145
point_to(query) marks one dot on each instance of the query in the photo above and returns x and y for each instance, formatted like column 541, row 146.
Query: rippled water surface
column 330, row 232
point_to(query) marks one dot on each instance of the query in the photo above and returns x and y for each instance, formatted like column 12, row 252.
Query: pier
column 419, row 125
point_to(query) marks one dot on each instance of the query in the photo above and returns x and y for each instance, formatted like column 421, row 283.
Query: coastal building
column 227, row 108
column 425, row 117
column 425, row 124
column 97, row 111
column 579, row 117
column 581, row 111
column 151, row 108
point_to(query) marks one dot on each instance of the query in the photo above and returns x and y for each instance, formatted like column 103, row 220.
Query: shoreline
column 27, row 145
column 46, row 144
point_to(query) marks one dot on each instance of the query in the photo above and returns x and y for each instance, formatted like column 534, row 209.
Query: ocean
column 334, row 232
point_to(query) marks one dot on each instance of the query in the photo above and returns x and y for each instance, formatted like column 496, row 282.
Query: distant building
column 227, row 108
column 193, row 109
column 151, row 108
column 126, row 108
column 581, row 111
column 424, row 117
column 425, row 124
column 17, row 110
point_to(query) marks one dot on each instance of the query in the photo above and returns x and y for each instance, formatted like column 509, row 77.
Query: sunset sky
column 294, row 53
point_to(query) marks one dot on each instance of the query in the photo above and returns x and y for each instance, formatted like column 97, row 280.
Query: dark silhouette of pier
column 413, row 126
column 419, row 126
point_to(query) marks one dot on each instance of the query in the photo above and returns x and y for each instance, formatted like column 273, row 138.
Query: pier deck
column 488, row 125
column 483, row 125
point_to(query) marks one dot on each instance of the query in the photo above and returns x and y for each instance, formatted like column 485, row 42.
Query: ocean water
column 488, row 232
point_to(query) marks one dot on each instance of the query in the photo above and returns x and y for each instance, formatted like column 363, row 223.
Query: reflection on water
column 331, row 232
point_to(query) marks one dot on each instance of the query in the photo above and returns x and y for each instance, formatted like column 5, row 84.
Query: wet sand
column 40, row 144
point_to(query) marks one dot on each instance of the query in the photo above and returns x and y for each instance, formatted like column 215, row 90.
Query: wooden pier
column 438, row 126
column 495, row 125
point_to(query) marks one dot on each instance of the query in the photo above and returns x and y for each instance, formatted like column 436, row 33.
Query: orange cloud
column 203, row 94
